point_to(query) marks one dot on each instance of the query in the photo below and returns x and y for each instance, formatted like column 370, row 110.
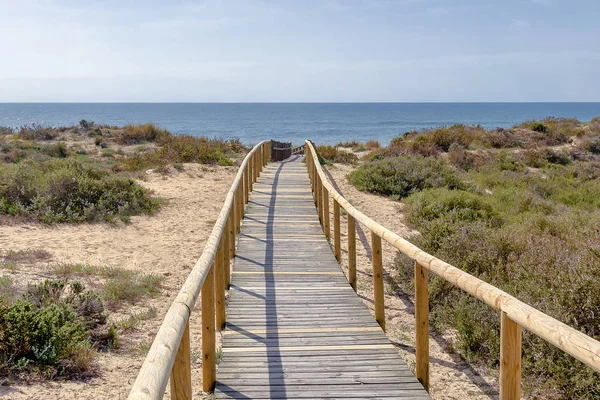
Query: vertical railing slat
column 510, row 358
column 352, row 251
column 220, row 285
column 337, row 246
column 181, row 374
column 422, row 325
column 326, row 220
column 209, row 370
column 378, row 294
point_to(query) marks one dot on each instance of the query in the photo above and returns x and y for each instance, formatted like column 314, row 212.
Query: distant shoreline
column 326, row 123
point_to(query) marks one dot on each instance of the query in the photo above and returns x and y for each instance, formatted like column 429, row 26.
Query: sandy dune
column 167, row 243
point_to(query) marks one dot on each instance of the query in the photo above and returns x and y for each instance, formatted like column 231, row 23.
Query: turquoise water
column 325, row 123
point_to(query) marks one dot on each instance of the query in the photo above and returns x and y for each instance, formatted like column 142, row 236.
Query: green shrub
column 450, row 205
column 403, row 175
column 351, row 144
column 58, row 150
column 521, row 234
column 130, row 286
column 557, row 157
column 372, row 144
column 181, row 149
column 592, row 145
column 539, row 127
column 66, row 191
column 460, row 158
column 48, row 329
column 37, row 132
column 330, row 154
column 86, row 124
column 500, row 138
column 5, row 130
column 135, row 134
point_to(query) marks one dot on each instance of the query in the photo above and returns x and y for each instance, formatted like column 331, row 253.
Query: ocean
column 324, row 123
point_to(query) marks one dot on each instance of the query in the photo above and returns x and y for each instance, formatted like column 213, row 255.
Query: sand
column 167, row 243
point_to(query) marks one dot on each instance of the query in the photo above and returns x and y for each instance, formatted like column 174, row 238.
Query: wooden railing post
column 209, row 370
column 231, row 236
column 181, row 374
column 422, row 325
column 352, row 252
column 510, row 358
column 250, row 176
column 239, row 207
column 220, row 284
column 255, row 166
column 319, row 199
column 337, row 246
column 229, row 241
column 326, row 223
column 378, row 296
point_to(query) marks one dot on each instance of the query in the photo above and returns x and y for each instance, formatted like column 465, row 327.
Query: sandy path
column 168, row 243
column 450, row 377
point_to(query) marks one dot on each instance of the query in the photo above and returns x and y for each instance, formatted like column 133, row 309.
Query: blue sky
column 303, row 50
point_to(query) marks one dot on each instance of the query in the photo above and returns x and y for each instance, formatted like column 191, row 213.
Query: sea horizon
column 323, row 122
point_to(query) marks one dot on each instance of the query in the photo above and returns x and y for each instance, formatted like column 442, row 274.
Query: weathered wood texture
column 515, row 314
column 165, row 358
column 295, row 328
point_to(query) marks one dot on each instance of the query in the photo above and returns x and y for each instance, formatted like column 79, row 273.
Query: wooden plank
column 295, row 327
column 306, row 330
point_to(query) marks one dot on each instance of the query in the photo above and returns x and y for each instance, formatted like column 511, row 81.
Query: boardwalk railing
column 298, row 150
column 280, row 150
column 514, row 314
column 169, row 355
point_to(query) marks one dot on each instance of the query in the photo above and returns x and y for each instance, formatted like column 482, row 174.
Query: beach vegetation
column 403, row 175
column 331, row 154
column 37, row 132
column 136, row 134
column 516, row 208
column 66, row 191
column 372, row 144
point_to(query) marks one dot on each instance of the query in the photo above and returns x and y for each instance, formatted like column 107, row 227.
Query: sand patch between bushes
column 168, row 243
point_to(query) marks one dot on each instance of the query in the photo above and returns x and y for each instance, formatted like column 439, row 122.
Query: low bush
column 37, row 132
column 351, row 144
column 135, row 134
column 403, row 175
column 521, row 234
column 131, row 286
column 66, row 191
column 460, row 157
column 5, row 130
column 58, row 150
column 539, row 127
column 49, row 330
column 592, row 145
column 372, row 144
column 330, row 154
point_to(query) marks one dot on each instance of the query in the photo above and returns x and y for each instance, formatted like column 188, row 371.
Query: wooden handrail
column 169, row 356
column 514, row 313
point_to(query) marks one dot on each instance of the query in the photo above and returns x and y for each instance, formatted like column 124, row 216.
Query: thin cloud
column 519, row 24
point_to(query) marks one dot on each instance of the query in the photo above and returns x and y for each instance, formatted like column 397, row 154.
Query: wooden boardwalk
column 295, row 328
